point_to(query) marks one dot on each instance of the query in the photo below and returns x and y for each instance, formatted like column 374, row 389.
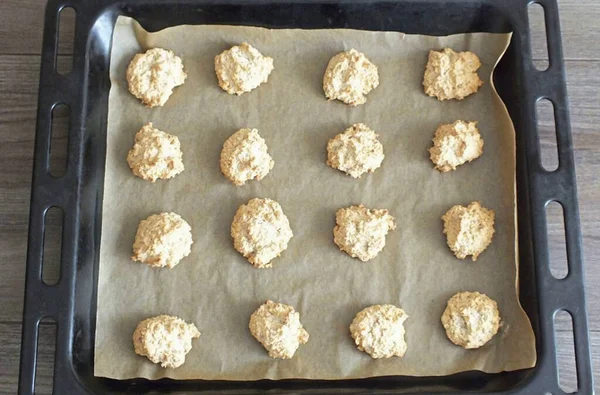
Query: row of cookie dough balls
column 470, row 320
column 349, row 76
column 157, row 155
column 261, row 232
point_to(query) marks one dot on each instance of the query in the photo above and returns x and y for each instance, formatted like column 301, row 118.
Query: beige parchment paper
column 218, row 290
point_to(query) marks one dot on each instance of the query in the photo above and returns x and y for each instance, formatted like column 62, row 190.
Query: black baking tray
column 71, row 303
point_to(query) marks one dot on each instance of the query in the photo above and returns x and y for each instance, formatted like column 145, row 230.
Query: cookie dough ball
column 379, row 331
column 356, row 151
column 349, row 77
column 471, row 319
column 244, row 157
column 260, row 231
column 469, row 230
column 360, row 232
column 152, row 75
column 451, row 75
column 242, row 68
column 155, row 154
column 164, row 339
column 277, row 327
column 162, row 240
column 455, row 144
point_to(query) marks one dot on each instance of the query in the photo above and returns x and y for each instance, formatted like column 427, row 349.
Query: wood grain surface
column 21, row 27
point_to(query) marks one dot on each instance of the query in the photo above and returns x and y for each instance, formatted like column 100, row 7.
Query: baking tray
column 71, row 303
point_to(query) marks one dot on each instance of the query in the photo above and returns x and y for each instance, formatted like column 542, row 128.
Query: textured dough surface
column 379, row 331
column 356, row 151
column 155, row 154
column 245, row 157
column 469, row 230
column 242, row 68
column 360, row 232
column 471, row 319
column 162, row 240
column 277, row 327
column 451, row 75
column 152, row 75
column 260, row 231
column 164, row 339
column 349, row 77
column 455, row 144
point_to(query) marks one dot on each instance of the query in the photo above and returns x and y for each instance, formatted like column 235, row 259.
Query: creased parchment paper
column 217, row 289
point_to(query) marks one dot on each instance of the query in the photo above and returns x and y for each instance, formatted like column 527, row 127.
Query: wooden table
column 21, row 23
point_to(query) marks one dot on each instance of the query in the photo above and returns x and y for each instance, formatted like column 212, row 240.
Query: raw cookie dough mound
column 153, row 75
column 471, row 319
column 244, row 157
column 162, row 240
column 455, row 144
column 451, row 75
column 164, row 339
column 356, row 151
column 360, row 232
column 349, row 77
column 277, row 327
column 260, row 231
column 155, row 154
column 379, row 331
column 242, row 68
column 469, row 230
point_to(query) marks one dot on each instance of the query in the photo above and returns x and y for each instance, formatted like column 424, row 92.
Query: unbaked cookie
column 451, row 75
column 349, row 77
column 152, row 75
column 360, row 232
column 356, row 151
column 155, row 154
column 455, row 144
column 379, row 331
column 162, row 240
column 471, row 319
column 277, row 327
column 260, row 231
column 242, row 68
column 469, row 230
column 164, row 339
column 245, row 157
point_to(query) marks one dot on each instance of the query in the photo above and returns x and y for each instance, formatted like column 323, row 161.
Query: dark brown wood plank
column 22, row 27
column 10, row 338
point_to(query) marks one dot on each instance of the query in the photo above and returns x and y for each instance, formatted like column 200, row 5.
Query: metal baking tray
column 71, row 303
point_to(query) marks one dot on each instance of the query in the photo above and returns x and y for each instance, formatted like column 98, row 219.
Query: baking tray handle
column 42, row 300
column 558, row 186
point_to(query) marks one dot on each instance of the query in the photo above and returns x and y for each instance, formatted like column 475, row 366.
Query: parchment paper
column 217, row 289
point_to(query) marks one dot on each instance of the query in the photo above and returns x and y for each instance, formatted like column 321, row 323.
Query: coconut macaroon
column 277, row 327
column 152, row 76
column 242, row 68
column 164, row 339
column 162, row 240
column 469, row 230
column 379, row 331
column 356, row 151
column 245, row 157
column 360, row 232
column 451, row 75
column 455, row 144
column 155, row 154
column 260, row 231
column 349, row 77
column 471, row 319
